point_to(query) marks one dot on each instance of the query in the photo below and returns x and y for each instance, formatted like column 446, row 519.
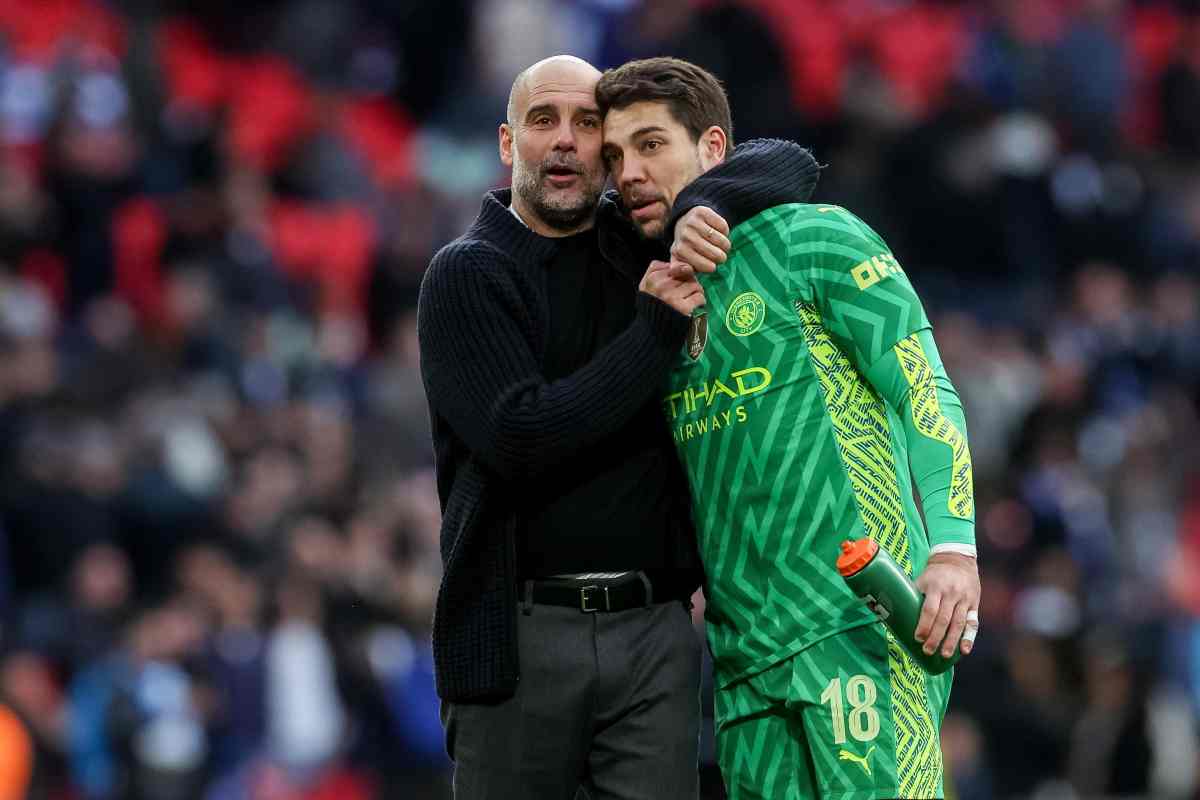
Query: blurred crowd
column 218, row 523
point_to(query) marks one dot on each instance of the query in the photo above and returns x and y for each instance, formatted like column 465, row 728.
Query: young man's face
column 652, row 157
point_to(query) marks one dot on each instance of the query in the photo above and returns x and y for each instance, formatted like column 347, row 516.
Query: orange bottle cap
column 856, row 555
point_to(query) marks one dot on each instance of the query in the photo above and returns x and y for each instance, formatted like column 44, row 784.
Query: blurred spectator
column 1089, row 73
column 137, row 719
column 305, row 720
column 1114, row 721
column 1008, row 56
column 98, row 600
column 963, row 753
column 33, row 725
column 1179, row 93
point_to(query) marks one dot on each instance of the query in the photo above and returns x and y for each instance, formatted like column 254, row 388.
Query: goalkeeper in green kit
column 807, row 402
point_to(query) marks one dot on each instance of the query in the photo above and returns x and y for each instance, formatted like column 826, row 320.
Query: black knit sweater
column 496, row 422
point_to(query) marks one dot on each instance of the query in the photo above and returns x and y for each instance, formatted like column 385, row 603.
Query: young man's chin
column 651, row 229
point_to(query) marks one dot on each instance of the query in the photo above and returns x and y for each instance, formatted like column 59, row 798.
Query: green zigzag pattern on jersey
column 879, row 315
column 757, row 757
column 861, row 428
column 929, row 421
column 918, row 746
column 732, row 462
column 860, row 424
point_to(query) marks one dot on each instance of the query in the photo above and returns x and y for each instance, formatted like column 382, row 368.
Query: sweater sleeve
column 483, row 378
column 761, row 174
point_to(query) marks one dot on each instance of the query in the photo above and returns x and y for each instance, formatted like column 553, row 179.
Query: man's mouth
column 644, row 210
column 562, row 176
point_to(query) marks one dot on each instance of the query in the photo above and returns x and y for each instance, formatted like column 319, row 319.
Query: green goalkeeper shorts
column 850, row 718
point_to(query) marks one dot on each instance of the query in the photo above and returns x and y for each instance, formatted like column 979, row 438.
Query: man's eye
column 590, row 122
column 651, row 145
column 541, row 121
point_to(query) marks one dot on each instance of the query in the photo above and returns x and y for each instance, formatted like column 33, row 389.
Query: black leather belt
column 589, row 597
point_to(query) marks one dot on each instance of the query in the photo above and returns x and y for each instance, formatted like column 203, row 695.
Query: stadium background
column 218, row 519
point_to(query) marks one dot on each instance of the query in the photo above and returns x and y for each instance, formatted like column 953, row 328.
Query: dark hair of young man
column 694, row 95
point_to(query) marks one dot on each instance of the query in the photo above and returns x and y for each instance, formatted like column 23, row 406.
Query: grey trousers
column 608, row 704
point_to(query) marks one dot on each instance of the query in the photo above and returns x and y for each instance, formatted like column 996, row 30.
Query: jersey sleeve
column 912, row 380
column 847, row 273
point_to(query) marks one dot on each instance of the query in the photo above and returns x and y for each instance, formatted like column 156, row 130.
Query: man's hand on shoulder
column 701, row 242
column 951, row 586
column 682, row 294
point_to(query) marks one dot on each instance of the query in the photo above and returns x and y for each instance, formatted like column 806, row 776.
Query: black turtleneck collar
column 619, row 240
column 498, row 226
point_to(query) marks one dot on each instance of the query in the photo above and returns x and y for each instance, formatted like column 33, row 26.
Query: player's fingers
column 970, row 631
column 941, row 623
column 654, row 269
column 706, row 248
column 929, row 611
column 681, row 271
column 958, row 623
column 689, row 303
column 717, row 240
column 705, row 239
column 676, row 288
column 690, row 255
column 713, row 219
column 675, row 297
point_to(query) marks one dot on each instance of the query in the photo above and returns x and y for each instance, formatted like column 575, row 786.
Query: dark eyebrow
column 544, row 107
column 648, row 129
column 549, row 108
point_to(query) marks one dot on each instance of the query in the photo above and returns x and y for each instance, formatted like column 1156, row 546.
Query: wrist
column 668, row 325
column 954, row 559
column 961, row 548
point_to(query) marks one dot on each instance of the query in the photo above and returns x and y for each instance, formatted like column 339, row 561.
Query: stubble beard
column 564, row 212
column 653, row 230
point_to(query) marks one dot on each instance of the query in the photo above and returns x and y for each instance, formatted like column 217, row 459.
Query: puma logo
column 846, row 755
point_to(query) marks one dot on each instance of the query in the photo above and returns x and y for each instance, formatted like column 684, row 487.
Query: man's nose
column 631, row 172
column 565, row 136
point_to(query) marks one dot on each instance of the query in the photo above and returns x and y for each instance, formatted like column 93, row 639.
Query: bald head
column 555, row 71
column 552, row 140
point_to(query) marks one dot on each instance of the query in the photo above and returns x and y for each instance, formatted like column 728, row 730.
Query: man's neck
column 537, row 225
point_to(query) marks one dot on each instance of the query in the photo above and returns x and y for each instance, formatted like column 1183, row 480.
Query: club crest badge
column 697, row 335
column 746, row 314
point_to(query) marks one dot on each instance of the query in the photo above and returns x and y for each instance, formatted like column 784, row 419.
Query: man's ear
column 713, row 145
column 506, row 144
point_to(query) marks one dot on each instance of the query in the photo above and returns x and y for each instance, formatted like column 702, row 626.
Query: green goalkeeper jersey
column 807, row 400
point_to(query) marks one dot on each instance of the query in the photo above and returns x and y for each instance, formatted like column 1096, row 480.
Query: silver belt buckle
column 586, row 599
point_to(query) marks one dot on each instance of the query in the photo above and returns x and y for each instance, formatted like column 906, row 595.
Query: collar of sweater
column 498, row 226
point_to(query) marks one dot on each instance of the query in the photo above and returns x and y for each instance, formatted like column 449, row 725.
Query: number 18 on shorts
column 850, row 718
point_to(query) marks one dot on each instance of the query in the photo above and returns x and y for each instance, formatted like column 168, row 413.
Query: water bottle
column 874, row 575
